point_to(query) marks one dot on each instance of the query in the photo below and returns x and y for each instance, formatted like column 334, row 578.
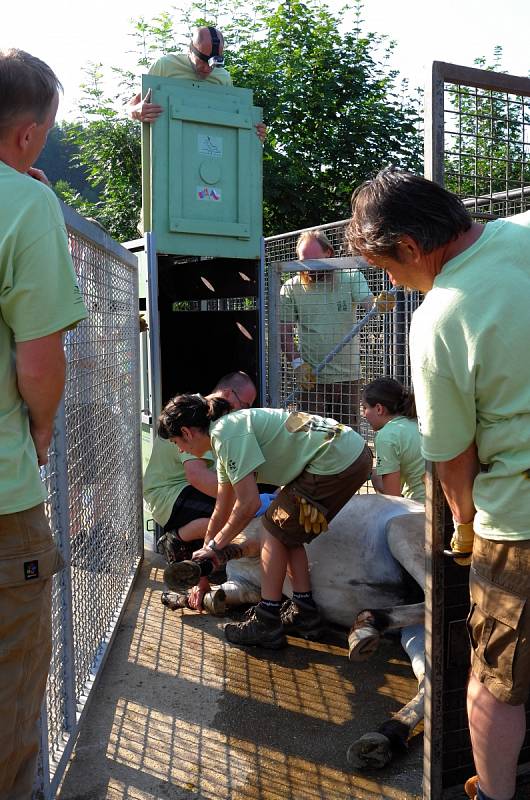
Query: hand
column 384, row 302
column 206, row 552
column 261, row 130
column 41, row 439
column 196, row 594
column 143, row 110
column 39, row 175
column 462, row 542
column 305, row 377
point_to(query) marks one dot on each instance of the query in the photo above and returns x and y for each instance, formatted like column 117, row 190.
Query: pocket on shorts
column 492, row 625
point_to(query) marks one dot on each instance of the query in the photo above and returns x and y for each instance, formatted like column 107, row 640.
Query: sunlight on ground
column 221, row 767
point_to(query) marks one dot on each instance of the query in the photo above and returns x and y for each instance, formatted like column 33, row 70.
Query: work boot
column 301, row 619
column 182, row 575
column 171, row 546
column 261, row 628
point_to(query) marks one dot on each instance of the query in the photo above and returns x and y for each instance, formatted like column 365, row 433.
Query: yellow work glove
column 384, row 302
column 303, row 374
column 462, row 541
column 311, row 518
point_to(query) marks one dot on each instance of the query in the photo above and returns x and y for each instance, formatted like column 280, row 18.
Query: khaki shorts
column 499, row 620
column 331, row 492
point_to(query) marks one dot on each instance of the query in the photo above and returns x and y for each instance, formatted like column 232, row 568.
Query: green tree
column 334, row 110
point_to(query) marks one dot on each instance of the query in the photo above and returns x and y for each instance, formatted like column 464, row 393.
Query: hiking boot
column 470, row 787
column 301, row 619
column 261, row 628
column 182, row 575
column 171, row 546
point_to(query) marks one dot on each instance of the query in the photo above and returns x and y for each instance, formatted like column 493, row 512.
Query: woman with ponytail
column 391, row 411
column 319, row 464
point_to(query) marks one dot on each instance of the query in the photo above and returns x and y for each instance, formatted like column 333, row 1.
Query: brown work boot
column 261, row 629
column 470, row 787
column 301, row 619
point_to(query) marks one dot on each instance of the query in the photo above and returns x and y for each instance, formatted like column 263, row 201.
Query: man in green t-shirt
column 317, row 309
column 39, row 299
column 204, row 61
column 471, row 373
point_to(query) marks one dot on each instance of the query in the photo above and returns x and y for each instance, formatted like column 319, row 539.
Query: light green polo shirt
column 398, row 449
column 278, row 446
column 324, row 312
column 165, row 478
column 38, row 296
column 470, row 344
column 178, row 65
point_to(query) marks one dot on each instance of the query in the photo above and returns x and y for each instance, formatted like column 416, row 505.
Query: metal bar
column 154, row 325
column 482, row 78
column 274, row 346
column 434, row 126
column 261, row 325
column 82, row 226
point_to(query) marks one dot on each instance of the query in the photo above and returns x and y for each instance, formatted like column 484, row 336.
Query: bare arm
column 287, row 341
column 41, row 368
column 198, row 475
column 391, row 484
column 457, row 477
column 247, row 503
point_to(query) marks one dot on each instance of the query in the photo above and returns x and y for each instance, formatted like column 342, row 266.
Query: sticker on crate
column 210, row 146
column 204, row 193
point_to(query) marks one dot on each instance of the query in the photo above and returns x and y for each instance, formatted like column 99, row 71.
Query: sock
column 305, row 598
column 272, row 606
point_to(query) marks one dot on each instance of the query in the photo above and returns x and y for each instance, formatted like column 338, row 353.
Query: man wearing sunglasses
column 203, row 61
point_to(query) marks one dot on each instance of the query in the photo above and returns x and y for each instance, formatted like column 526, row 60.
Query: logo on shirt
column 342, row 305
column 232, row 466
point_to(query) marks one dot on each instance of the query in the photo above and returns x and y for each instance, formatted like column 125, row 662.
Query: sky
column 68, row 34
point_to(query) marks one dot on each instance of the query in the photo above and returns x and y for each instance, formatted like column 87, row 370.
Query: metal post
column 274, row 346
column 154, row 325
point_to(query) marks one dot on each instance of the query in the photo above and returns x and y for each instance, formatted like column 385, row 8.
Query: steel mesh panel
column 93, row 481
column 382, row 344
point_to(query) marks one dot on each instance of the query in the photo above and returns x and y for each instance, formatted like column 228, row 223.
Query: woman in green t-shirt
column 319, row 464
column 400, row 467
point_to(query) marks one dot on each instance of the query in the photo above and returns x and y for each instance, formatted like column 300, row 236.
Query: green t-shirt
column 469, row 344
column 398, row 449
column 278, row 446
column 38, row 296
column 165, row 478
column 178, row 65
column 324, row 312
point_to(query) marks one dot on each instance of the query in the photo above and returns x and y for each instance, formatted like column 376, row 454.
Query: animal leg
column 370, row 624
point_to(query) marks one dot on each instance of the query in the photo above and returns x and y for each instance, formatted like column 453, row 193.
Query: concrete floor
column 180, row 714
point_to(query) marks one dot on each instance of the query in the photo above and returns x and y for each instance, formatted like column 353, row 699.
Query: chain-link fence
column 94, row 486
column 309, row 313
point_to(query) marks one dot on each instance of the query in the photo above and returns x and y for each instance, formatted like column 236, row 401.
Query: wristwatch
column 212, row 545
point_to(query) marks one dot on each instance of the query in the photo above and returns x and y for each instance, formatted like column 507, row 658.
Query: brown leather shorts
column 499, row 620
column 330, row 492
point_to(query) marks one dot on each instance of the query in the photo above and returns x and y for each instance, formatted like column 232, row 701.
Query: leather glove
column 311, row 518
column 462, row 542
column 304, row 376
column 384, row 302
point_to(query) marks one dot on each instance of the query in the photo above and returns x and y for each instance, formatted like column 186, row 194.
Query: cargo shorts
column 329, row 492
column 499, row 620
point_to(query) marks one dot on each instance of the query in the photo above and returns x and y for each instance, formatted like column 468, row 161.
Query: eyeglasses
column 239, row 400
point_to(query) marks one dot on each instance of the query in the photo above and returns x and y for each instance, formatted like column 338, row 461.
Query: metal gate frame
column 448, row 757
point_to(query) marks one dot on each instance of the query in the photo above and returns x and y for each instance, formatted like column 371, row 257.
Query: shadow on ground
column 180, row 714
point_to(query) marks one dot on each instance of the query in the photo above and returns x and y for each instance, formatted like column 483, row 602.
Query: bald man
column 204, row 61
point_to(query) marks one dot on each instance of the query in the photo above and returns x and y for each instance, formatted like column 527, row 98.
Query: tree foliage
column 334, row 110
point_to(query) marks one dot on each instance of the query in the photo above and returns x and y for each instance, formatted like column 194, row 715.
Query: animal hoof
column 363, row 642
column 215, row 603
column 371, row 751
